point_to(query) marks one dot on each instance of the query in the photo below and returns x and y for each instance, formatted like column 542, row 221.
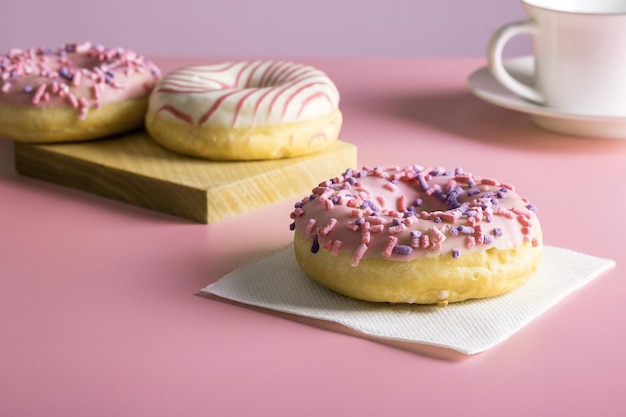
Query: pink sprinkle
column 328, row 244
column 507, row 186
column 72, row 99
column 309, row 227
column 6, row 87
column 519, row 211
column 365, row 236
column 356, row 212
column 397, row 229
column 489, row 181
column 470, row 242
column 401, row 203
column 424, row 241
column 329, row 204
column 479, row 235
column 297, row 212
column 326, row 229
column 524, row 221
column 39, row 93
column 389, row 245
column 381, row 200
column 505, row 212
column 77, row 77
column 390, row 186
column 437, row 235
column 535, row 242
column 375, row 220
column 410, row 220
column 353, row 226
column 450, row 216
column 435, row 246
column 377, row 228
column 358, row 255
column 336, row 246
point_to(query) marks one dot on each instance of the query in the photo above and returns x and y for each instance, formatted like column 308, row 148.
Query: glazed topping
column 248, row 93
column 83, row 76
column 405, row 213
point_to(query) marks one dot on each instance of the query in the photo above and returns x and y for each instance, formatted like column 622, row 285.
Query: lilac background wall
column 268, row 28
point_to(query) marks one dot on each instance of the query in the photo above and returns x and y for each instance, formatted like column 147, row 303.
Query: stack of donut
column 251, row 110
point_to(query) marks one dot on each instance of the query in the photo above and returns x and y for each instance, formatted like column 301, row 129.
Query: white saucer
column 484, row 85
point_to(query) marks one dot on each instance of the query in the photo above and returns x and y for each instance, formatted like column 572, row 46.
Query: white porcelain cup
column 579, row 48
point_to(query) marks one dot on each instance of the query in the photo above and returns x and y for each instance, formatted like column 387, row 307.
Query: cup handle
column 494, row 56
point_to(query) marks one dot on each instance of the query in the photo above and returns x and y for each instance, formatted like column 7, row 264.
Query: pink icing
column 405, row 213
column 82, row 76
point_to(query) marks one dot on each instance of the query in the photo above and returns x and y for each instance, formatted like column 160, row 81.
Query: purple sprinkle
column 418, row 202
column 359, row 221
column 504, row 190
column 351, row 181
column 487, row 239
column 371, row 205
column 298, row 205
column 292, row 226
column 454, row 231
column 456, row 254
column 489, row 218
column 403, row 249
column 532, row 207
column 466, row 230
column 315, row 247
column 497, row 231
column 473, row 191
column 28, row 89
column 494, row 201
column 64, row 73
column 458, row 170
column 415, row 234
column 396, row 221
column 437, row 219
column 471, row 213
column 422, row 182
column 348, row 173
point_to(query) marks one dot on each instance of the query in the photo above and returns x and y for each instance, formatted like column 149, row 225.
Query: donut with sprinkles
column 250, row 110
column 74, row 92
column 416, row 235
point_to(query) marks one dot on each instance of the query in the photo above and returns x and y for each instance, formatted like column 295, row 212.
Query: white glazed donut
column 416, row 235
column 245, row 111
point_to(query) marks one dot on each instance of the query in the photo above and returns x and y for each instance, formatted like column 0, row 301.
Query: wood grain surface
column 135, row 169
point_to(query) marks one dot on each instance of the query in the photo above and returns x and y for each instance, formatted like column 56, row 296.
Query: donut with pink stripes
column 245, row 110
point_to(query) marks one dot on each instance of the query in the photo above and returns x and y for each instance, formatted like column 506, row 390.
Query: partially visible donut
column 245, row 111
column 73, row 93
column 416, row 235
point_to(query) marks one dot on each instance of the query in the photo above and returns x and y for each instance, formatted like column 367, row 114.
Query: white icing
column 249, row 93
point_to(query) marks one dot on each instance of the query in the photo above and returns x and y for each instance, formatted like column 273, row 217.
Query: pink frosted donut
column 416, row 235
column 245, row 110
column 73, row 93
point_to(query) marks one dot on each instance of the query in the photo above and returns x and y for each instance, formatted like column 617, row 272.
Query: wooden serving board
column 135, row 169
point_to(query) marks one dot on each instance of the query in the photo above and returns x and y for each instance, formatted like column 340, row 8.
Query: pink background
column 277, row 28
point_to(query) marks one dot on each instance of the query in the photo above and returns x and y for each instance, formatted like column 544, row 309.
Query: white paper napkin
column 276, row 282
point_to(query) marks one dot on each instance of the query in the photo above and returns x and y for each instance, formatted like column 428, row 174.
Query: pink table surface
column 99, row 314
